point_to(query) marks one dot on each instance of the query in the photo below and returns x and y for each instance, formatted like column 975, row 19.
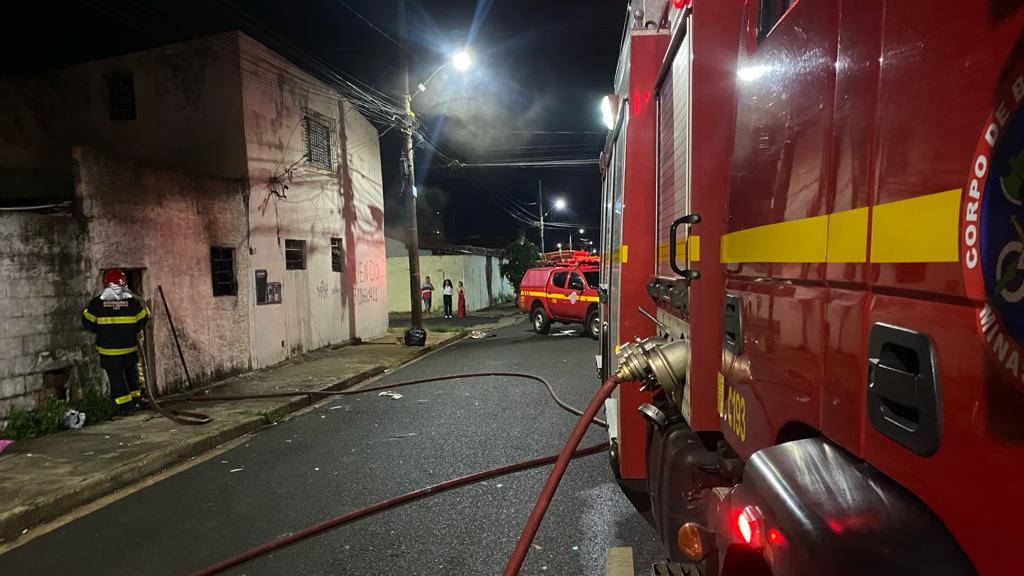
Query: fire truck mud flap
column 809, row 507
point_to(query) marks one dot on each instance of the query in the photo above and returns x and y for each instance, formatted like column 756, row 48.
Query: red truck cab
column 562, row 289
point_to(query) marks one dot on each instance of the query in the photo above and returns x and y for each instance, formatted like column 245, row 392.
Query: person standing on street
column 446, row 290
column 428, row 291
column 117, row 317
column 462, row 302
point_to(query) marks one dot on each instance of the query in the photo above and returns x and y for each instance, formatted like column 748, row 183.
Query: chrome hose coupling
column 655, row 360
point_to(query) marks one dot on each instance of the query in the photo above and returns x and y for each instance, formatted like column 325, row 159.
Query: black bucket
column 415, row 337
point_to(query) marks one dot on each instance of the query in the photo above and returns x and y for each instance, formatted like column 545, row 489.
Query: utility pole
column 540, row 211
column 413, row 243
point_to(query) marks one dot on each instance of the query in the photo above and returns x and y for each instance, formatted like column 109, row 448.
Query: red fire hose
column 515, row 561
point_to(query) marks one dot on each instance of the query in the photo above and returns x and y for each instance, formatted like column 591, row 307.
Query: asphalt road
column 358, row 450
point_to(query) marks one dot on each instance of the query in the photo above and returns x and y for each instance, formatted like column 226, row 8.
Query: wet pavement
column 358, row 450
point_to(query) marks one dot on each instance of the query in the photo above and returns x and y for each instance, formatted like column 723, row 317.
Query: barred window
column 337, row 255
column 222, row 268
column 295, row 254
column 319, row 133
column 121, row 95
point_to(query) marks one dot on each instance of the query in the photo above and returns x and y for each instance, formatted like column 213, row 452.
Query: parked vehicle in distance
column 562, row 289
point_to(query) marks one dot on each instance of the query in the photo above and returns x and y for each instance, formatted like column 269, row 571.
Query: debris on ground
column 5, row 444
column 480, row 334
column 390, row 394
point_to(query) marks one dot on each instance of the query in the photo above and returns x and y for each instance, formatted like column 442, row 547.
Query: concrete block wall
column 163, row 222
column 43, row 289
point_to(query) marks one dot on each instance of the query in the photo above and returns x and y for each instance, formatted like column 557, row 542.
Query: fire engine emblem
column 992, row 232
column 573, row 297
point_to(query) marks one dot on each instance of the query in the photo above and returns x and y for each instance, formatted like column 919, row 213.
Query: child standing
column 446, row 290
column 462, row 302
column 428, row 292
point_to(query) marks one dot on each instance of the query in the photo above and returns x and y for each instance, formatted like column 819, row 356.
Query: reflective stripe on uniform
column 89, row 315
column 123, row 399
column 116, row 351
column 136, row 394
column 120, row 319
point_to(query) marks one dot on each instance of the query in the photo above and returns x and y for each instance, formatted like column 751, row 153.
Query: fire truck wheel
column 593, row 324
column 541, row 324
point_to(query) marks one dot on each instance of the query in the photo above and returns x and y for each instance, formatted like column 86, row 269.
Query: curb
column 29, row 514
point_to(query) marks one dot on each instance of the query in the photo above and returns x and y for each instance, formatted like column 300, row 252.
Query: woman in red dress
column 462, row 302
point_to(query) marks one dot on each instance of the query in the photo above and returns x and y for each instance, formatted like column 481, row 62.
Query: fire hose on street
column 560, row 460
column 651, row 361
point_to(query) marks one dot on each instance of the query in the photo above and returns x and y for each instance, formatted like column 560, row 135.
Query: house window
column 337, row 255
column 295, row 254
column 222, row 269
column 319, row 132
column 121, row 96
column 768, row 15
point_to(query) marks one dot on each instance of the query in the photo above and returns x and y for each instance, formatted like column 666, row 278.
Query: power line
column 368, row 23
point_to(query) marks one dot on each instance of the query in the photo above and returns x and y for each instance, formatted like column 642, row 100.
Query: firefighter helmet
column 114, row 276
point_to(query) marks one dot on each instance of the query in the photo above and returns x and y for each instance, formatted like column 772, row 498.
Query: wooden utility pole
column 413, row 241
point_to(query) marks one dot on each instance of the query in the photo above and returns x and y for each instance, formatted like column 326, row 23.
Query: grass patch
column 97, row 407
column 45, row 419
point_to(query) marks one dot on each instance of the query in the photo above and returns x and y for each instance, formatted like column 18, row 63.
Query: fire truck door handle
column 903, row 395
column 892, row 384
column 688, row 220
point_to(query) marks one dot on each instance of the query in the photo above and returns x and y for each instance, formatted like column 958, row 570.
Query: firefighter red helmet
column 114, row 276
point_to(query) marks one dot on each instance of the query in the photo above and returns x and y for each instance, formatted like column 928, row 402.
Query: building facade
column 245, row 187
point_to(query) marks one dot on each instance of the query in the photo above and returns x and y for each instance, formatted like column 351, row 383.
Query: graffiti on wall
column 369, row 274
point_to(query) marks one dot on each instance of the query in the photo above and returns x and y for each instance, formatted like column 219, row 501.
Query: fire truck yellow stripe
column 921, row 229
column 801, row 240
column 694, row 249
column 847, row 236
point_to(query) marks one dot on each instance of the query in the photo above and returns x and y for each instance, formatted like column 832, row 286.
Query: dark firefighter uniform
column 116, row 321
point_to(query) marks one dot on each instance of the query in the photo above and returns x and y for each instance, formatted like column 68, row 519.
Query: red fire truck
column 813, row 254
column 563, row 288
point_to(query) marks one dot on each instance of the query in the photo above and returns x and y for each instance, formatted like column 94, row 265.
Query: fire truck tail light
column 746, row 530
column 691, row 538
column 748, row 523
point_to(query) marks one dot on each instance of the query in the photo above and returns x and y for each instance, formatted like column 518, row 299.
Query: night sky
column 539, row 70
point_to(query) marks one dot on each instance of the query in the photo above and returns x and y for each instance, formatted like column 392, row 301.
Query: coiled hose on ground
column 515, row 561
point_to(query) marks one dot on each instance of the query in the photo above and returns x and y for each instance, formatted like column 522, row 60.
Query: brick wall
column 162, row 223
column 43, row 288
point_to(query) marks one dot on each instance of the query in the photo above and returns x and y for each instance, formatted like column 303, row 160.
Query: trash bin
column 415, row 337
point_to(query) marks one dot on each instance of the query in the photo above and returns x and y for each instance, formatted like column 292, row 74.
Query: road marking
column 620, row 561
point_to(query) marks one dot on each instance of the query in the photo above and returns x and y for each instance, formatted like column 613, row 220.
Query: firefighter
column 117, row 317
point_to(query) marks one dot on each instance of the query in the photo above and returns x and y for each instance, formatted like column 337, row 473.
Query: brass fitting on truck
column 655, row 361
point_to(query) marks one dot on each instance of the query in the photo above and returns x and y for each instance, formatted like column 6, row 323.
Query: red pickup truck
column 562, row 289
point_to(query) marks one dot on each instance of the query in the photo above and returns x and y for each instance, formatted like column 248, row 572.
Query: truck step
column 673, row 569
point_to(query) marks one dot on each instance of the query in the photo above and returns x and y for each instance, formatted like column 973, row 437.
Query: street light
column 582, row 231
column 559, row 205
column 460, row 60
column 409, row 127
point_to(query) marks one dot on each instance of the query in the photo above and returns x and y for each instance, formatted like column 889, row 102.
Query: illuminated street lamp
column 559, row 206
column 460, row 60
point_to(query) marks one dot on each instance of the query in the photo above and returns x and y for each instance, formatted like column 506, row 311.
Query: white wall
column 470, row 269
column 319, row 306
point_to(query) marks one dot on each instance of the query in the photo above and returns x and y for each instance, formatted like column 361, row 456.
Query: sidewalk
column 45, row 478
column 472, row 320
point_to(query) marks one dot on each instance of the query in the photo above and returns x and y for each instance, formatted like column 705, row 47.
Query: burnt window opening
column 222, row 269
column 121, row 96
column 319, row 131
column 768, row 15
column 295, row 254
column 337, row 255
